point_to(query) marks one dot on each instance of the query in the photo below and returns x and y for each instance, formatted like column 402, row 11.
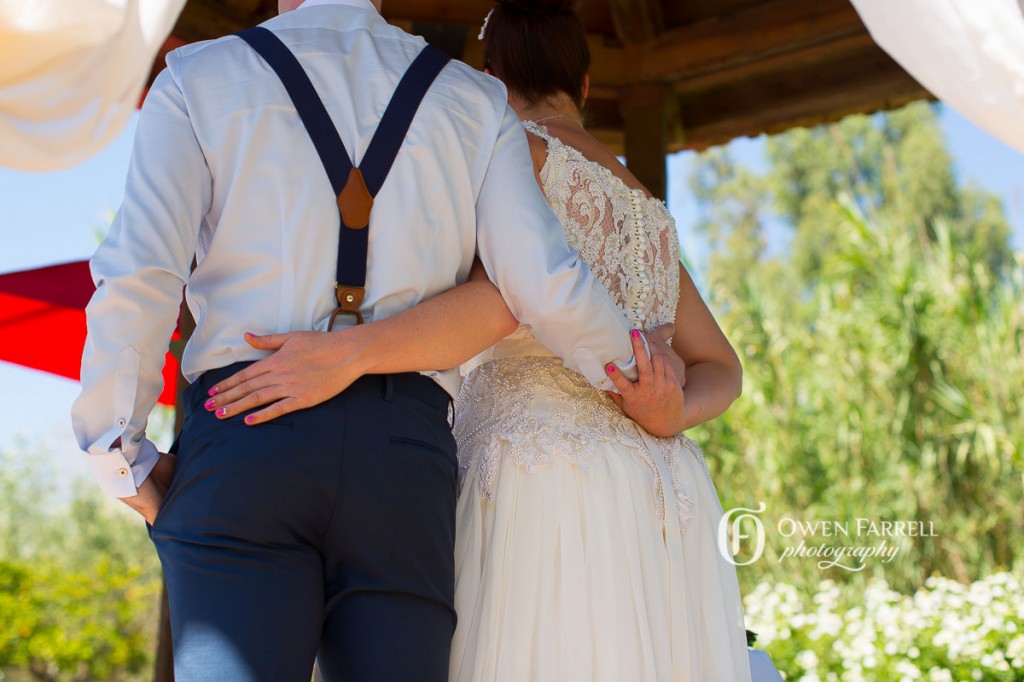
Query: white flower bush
column 945, row 632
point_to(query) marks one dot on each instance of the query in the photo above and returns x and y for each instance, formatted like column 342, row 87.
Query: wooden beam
column 809, row 59
column 645, row 110
column 689, row 11
column 206, row 19
column 846, row 84
column 768, row 31
column 636, row 21
column 594, row 13
column 816, row 85
column 439, row 11
column 755, row 33
column 448, row 37
column 244, row 8
column 610, row 66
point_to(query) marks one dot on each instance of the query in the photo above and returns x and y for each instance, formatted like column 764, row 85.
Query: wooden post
column 164, row 666
column 645, row 111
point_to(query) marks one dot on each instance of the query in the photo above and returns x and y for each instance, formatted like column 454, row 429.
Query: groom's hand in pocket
column 150, row 496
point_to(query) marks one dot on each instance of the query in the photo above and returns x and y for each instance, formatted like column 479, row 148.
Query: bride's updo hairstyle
column 538, row 48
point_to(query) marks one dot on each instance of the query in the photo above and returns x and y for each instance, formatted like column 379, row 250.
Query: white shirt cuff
column 116, row 476
column 595, row 373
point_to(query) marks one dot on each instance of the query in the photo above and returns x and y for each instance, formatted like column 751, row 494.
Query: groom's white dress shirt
column 222, row 168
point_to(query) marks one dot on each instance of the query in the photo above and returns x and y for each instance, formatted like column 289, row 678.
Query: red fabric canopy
column 42, row 322
column 42, row 311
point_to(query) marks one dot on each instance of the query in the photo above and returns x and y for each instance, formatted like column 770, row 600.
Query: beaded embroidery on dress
column 529, row 405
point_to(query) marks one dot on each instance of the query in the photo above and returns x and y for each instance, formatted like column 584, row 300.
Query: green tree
column 895, row 167
column 79, row 580
column 74, row 625
column 732, row 198
column 881, row 351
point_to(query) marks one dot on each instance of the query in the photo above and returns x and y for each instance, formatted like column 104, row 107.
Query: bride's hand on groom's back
column 655, row 401
column 305, row 369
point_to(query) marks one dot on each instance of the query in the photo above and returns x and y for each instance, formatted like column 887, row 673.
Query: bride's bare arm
column 714, row 376
column 707, row 373
column 307, row 368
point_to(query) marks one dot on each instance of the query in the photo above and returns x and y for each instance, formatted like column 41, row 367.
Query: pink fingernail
column 635, row 333
column 250, row 419
column 210, row 404
column 610, row 369
column 213, row 391
column 222, row 411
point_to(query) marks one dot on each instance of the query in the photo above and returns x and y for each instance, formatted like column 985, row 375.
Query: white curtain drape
column 71, row 72
column 968, row 53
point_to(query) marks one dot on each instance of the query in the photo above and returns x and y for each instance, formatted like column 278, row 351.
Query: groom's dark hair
column 537, row 48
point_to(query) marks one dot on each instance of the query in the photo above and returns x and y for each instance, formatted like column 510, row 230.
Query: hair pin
column 483, row 29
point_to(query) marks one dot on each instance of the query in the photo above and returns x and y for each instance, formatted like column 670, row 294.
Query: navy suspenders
column 355, row 187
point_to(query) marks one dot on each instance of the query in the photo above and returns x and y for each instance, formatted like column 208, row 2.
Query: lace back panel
column 627, row 238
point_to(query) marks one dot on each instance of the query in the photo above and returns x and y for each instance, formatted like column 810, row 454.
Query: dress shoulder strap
column 538, row 130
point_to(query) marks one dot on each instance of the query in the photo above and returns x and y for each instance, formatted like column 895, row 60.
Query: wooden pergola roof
column 671, row 74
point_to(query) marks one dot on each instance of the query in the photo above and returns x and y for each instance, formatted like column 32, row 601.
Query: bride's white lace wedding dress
column 586, row 547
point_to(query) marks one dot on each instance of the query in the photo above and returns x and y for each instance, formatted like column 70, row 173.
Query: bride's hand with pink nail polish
column 305, row 369
column 655, row 400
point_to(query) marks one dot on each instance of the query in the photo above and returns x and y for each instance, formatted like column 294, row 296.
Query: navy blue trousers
column 326, row 533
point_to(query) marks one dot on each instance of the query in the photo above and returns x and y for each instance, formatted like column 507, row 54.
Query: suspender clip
column 350, row 298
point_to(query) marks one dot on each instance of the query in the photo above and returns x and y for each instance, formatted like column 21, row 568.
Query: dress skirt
column 604, row 569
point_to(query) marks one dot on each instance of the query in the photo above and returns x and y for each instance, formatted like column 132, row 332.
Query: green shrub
column 79, row 580
column 945, row 631
column 75, row 625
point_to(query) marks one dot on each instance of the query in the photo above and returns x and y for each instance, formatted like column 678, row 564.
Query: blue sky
column 57, row 217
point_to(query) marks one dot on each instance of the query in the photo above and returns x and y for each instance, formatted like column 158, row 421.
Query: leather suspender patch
column 355, row 202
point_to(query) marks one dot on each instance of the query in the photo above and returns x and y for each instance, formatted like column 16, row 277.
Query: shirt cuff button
column 122, row 472
column 121, row 422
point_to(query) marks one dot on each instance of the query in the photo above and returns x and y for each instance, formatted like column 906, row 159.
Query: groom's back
column 269, row 240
